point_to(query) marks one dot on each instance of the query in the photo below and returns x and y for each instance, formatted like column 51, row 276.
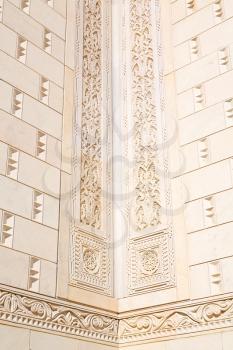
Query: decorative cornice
column 199, row 317
column 56, row 316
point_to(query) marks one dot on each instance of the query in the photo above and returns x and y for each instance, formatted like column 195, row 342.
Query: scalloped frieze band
column 53, row 315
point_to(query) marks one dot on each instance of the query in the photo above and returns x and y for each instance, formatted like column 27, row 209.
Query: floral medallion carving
column 91, row 260
column 91, row 263
column 150, row 263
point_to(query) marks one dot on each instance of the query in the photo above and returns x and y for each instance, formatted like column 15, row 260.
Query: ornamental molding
column 34, row 311
column 55, row 316
column 151, row 262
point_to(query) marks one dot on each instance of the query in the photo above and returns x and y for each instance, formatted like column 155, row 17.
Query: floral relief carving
column 91, row 160
column 57, row 317
column 178, row 320
column 147, row 195
column 91, row 263
column 150, row 263
column 90, row 258
column 53, row 315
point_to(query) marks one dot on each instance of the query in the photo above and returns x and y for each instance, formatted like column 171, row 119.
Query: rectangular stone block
column 53, row 154
column 191, row 26
column 221, row 145
column 217, row 37
column 35, row 239
column 39, row 340
column 13, row 268
column 5, row 96
column 45, row 64
column 182, row 55
column 13, row 194
column 51, row 211
column 18, row 75
column 185, row 104
column 201, row 124
column 70, row 35
column 3, row 158
column 8, row 40
column 211, row 244
column 190, row 160
column 227, row 340
column 23, row 24
column 217, row 89
column 17, row 133
column 223, row 206
column 210, row 341
column 49, row 18
column 228, row 9
column 60, row 6
column 56, row 97
column 58, row 48
column 194, row 219
column 197, row 72
column 42, row 117
column 226, row 267
column 68, row 120
column 48, row 275
column 199, row 273
column 178, row 10
column 202, row 183
column 14, row 338
column 39, row 175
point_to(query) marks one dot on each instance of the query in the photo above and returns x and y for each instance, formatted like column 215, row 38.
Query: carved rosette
column 150, row 263
column 92, row 264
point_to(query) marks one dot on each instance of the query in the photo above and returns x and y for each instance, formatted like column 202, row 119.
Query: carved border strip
column 52, row 315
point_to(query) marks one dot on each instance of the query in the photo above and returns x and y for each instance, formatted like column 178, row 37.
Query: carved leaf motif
column 147, row 201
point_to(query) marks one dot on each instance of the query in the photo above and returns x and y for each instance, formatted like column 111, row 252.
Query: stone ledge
column 27, row 309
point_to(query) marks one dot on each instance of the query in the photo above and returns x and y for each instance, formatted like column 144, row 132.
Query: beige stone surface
column 211, row 244
column 23, row 24
column 35, row 239
column 18, row 75
column 195, row 165
column 48, row 275
column 40, row 340
column 12, row 195
column 44, row 64
column 17, row 134
column 45, row 15
column 42, row 117
column 14, row 338
column 13, row 268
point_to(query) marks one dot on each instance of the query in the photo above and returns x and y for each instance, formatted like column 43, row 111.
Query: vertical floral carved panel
column 91, row 261
column 91, row 186
column 148, row 189
column 147, row 201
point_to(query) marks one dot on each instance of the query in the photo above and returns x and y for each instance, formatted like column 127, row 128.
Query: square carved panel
column 151, row 265
column 90, row 264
